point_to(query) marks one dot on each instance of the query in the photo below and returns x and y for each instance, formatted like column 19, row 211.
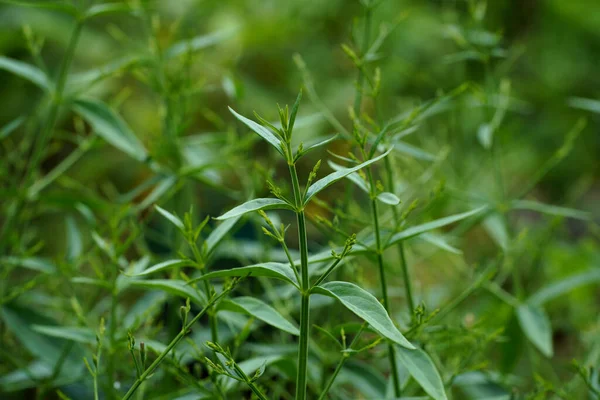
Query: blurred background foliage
column 171, row 68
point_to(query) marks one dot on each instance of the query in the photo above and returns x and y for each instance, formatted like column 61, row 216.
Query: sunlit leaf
column 366, row 306
column 388, row 198
column 255, row 205
column 261, row 131
column 27, row 71
column 163, row 266
column 171, row 217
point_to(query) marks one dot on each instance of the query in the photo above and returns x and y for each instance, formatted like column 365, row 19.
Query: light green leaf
column 495, row 225
column 164, row 266
column 11, row 127
column 438, row 223
column 388, row 198
column 585, row 104
column 549, row 209
column 336, row 176
column 261, row 131
column 422, row 368
column 111, row 127
column 415, row 152
column 198, row 43
column 48, row 5
column 255, row 205
column 27, row 71
column 74, row 333
column 536, row 325
column 353, row 177
column 171, row 217
column 74, row 243
column 366, row 306
column 260, row 310
column 33, row 263
column 269, row 269
column 106, row 9
column 164, row 185
column 215, row 237
column 439, row 241
column 172, row 286
column 564, row 286
column 318, row 143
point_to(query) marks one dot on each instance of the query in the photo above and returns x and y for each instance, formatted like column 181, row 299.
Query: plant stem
column 171, row 345
column 301, row 381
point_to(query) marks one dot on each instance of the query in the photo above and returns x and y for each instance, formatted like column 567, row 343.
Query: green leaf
column 215, row 237
column 353, row 177
column 438, row 223
column 33, row 263
column 366, row 306
column 164, row 185
column 336, row 176
column 49, row 5
column 495, row 225
column 260, row 310
column 318, row 143
column 106, row 9
column 111, row 127
column 198, row 42
column 388, row 198
column 415, row 152
column 11, row 127
column 74, row 243
column 261, row 131
column 585, row 104
column 27, row 71
column 171, row 217
column 562, row 287
column 164, row 266
column 549, row 209
column 422, row 368
column 255, row 205
column 172, row 286
column 439, row 241
column 269, row 269
column 74, row 333
column 536, row 325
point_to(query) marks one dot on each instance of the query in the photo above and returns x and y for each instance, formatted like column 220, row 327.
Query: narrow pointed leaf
column 106, row 9
column 564, row 286
column 388, row 198
column 318, row 144
column 215, row 237
column 164, row 266
column 536, row 325
column 550, row 210
column 495, row 225
column 74, row 243
column 366, row 306
column 111, row 127
column 74, row 333
column 171, row 217
column 261, row 310
column 336, row 176
column 255, row 205
column 269, row 269
column 33, row 263
column 171, row 286
column 429, row 226
column 413, row 151
column 199, row 42
column 261, row 131
column 439, row 241
column 11, row 127
column 422, row 368
column 353, row 177
column 26, row 71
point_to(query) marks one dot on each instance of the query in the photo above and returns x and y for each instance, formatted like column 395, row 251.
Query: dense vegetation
column 417, row 223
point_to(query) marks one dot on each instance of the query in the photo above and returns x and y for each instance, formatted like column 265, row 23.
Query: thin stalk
column 383, row 282
column 249, row 382
column 171, row 345
column 301, row 379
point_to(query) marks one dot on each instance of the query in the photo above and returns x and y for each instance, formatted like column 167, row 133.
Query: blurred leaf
column 536, row 325
column 164, row 266
column 363, row 376
column 74, row 333
column 215, row 237
column 47, row 4
column 388, row 198
column 171, row 286
column 164, row 185
column 269, row 269
column 495, row 225
column 199, row 42
column 422, row 368
column 366, row 306
column 33, row 263
column 111, row 127
column 585, row 104
column 11, row 127
column 74, row 243
column 551, row 210
column 27, row 71
column 260, row 310
column 255, row 205
column 353, row 177
column 171, row 217
column 106, row 9
column 415, row 152
column 336, row 176
column 564, row 286
column 439, row 241
column 261, row 131
column 438, row 223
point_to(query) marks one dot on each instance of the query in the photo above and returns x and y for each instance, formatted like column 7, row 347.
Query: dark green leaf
column 74, row 333
column 260, row 310
column 171, row 286
column 422, row 368
column 269, row 269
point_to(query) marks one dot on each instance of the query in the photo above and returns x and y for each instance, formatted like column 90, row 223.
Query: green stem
column 301, row 379
column 171, row 345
